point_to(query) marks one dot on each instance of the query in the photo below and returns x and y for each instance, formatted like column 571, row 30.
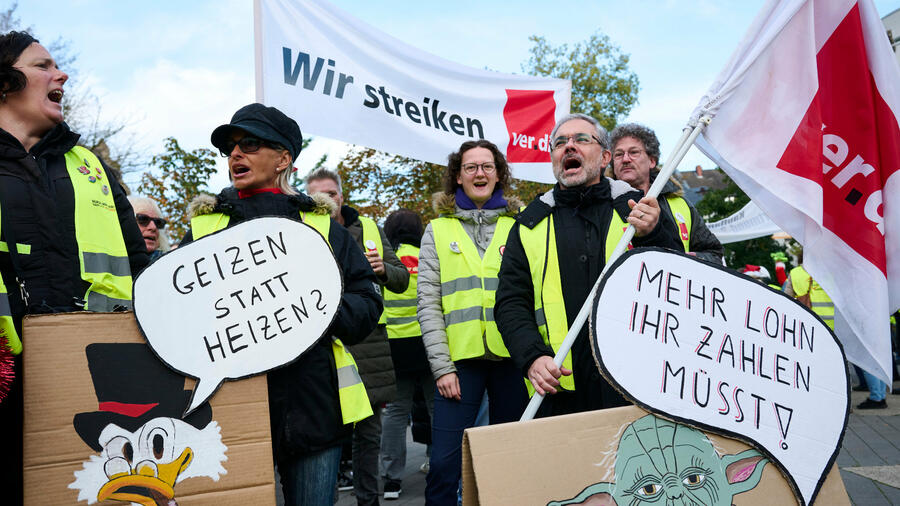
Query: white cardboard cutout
column 239, row 302
column 712, row 348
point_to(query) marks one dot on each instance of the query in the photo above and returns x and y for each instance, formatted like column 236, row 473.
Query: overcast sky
column 181, row 68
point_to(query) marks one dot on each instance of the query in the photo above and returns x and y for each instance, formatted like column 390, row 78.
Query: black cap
column 267, row 123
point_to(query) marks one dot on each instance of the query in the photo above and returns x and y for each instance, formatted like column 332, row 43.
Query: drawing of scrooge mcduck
column 146, row 446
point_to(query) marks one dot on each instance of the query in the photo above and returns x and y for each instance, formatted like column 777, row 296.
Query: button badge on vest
column 370, row 245
column 454, row 247
column 682, row 226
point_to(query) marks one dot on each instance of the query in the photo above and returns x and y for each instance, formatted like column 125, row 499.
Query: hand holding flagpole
column 681, row 148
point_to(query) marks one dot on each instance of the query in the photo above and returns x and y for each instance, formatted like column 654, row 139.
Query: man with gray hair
column 373, row 354
column 635, row 159
column 554, row 254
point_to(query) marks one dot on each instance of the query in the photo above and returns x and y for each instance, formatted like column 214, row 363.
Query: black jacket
column 581, row 218
column 38, row 209
column 304, row 409
column 37, row 205
column 373, row 354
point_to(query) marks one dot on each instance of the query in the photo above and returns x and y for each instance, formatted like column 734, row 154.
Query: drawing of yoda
column 662, row 462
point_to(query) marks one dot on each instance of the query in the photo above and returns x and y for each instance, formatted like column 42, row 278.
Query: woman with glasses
column 153, row 227
column 60, row 209
column 310, row 416
column 458, row 264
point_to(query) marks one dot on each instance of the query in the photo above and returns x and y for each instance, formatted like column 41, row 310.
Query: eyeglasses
column 487, row 167
column 248, row 144
column 144, row 220
column 632, row 153
column 580, row 139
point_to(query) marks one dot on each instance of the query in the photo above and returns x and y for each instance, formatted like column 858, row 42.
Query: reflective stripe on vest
column 821, row 303
column 351, row 389
column 400, row 308
column 101, row 248
column 351, row 392
column 370, row 233
column 549, row 305
column 468, row 287
column 682, row 215
column 8, row 332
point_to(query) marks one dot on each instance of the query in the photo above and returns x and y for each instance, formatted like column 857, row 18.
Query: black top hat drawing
column 133, row 387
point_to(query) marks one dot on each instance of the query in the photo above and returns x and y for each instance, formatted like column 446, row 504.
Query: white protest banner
column 749, row 222
column 341, row 78
column 708, row 347
column 238, row 302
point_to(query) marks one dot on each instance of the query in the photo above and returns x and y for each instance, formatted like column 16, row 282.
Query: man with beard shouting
column 554, row 255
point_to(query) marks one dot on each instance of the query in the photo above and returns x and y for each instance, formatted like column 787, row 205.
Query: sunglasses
column 248, row 144
column 144, row 220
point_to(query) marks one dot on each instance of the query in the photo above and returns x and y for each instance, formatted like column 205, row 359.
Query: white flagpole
column 684, row 143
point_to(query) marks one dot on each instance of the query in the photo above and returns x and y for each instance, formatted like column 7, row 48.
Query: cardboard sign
column 718, row 350
column 239, row 302
column 616, row 457
column 104, row 422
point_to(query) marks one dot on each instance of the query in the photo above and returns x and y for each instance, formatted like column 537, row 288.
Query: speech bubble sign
column 238, row 302
column 711, row 348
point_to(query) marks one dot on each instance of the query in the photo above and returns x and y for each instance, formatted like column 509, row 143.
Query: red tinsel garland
column 7, row 372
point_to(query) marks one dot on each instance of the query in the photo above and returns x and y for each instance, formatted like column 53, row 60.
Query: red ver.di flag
column 805, row 120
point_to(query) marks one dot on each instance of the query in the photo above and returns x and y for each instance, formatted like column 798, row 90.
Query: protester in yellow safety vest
column 635, row 156
column 314, row 401
column 68, row 240
column 373, row 354
column 403, row 229
column 458, row 264
column 554, row 254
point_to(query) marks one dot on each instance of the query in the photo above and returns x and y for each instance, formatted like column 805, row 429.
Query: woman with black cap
column 61, row 249
column 312, row 409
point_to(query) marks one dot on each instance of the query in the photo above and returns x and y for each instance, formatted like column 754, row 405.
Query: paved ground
column 869, row 460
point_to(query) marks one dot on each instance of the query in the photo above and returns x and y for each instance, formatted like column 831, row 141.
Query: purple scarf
column 495, row 202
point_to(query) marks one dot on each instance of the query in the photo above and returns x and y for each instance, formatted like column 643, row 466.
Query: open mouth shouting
column 55, row 96
column 571, row 162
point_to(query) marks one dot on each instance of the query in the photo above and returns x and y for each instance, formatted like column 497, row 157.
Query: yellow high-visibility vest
column 400, row 308
column 370, row 233
column 549, row 305
column 354, row 401
column 101, row 248
column 8, row 332
column 682, row 214
column 469, row 286
column 821, row 303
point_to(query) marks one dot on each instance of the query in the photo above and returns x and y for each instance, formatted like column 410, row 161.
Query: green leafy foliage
column 602, row 84
column 180, row 177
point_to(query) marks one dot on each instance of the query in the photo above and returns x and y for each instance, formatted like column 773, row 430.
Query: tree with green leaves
column 180, row 176
column 720, row 204
column 602, row 84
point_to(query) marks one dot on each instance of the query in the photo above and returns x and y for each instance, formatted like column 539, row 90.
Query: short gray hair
column 323, row 173
column 599, row 131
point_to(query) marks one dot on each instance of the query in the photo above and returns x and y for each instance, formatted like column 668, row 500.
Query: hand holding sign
column 239, row 302
column 715, row 349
